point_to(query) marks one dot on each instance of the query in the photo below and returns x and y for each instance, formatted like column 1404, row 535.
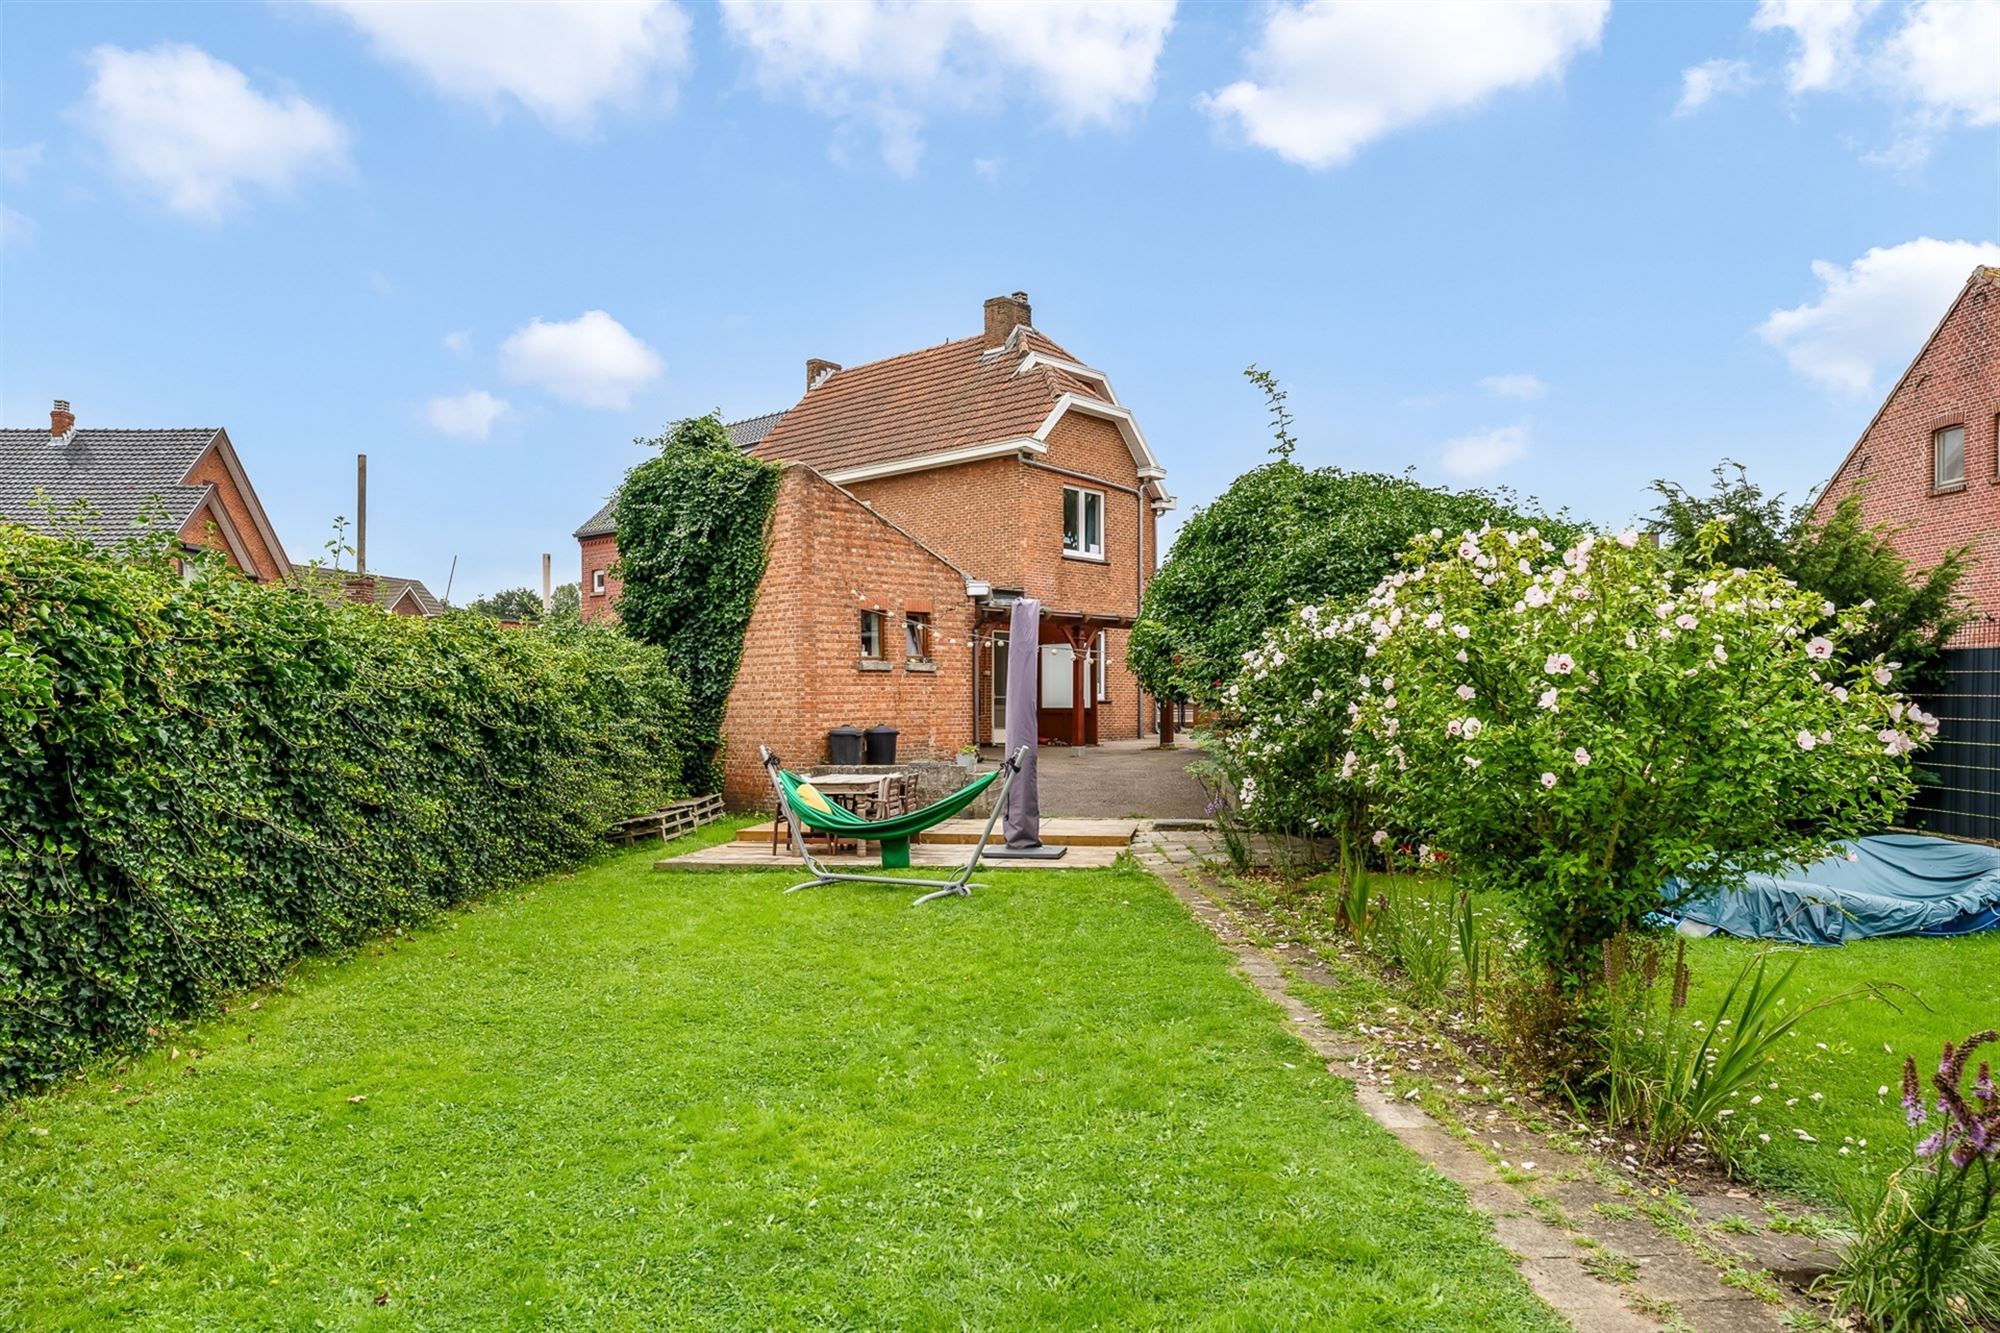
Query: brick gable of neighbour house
column 1950, row 398
column 190, row 482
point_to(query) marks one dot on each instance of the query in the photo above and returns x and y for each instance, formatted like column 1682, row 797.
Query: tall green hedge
column 202, row 778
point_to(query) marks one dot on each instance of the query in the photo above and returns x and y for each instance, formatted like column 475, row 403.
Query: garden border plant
column 202, row 778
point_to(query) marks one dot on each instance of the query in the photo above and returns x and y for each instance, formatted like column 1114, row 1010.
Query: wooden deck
column 753, row 856
column 965, row 832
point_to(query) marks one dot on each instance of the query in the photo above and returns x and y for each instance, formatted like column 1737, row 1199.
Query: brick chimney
column 62, row 422
column 817, row 371
column 1003, row 313
column 360, row 588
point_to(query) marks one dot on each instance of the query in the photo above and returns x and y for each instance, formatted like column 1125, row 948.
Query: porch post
column 1076, row 642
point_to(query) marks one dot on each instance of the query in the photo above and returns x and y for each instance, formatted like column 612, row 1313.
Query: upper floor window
column 1948, row 458
column 1083, row 522
column 871, row 634
column 597, row 581
column 917, row 636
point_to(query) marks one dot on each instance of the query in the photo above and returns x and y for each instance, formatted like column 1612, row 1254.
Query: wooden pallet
column 669, row 823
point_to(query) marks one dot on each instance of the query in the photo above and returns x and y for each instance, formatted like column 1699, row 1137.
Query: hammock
column 806, row 807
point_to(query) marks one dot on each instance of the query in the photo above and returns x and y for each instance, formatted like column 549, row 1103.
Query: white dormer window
column 1083, row 523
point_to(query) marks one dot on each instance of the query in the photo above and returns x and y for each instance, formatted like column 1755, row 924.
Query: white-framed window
column 1083, row 522
column 597, row 581
column 1103, row 694
column 917, row 636
column 871, row 635
column 1948, row 458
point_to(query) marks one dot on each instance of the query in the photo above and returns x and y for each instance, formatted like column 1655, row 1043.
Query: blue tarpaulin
column 1895, row 884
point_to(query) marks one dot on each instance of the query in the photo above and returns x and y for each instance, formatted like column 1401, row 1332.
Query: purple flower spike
column 1913, row 1097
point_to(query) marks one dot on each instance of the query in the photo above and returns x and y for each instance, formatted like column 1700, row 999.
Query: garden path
column 1585, row 1245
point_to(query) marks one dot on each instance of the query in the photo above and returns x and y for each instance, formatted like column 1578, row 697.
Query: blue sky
column 1565, row 248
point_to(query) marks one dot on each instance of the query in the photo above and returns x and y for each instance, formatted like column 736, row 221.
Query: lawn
column 1937, row 990
column 634, row 1099
column 1846, row 1054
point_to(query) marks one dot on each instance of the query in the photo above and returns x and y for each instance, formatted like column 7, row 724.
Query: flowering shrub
column 1921, row 1256
column 1578, row 728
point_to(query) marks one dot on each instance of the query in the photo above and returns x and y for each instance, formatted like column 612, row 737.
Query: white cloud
column 593, row 359
column 1947, row 58
column 465, row 416
column 458, row 341
column 190, row 128
column 1328, row 77
column 1701, row 84
column 1483, row 454
column 1825, row 31
column 885, row 64
column 560, row 61
column 1933, row 61
column 1873, row 314
column 1514, row 386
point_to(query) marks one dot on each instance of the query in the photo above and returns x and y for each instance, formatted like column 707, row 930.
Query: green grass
column 629, row 1099
column 1846, row 1053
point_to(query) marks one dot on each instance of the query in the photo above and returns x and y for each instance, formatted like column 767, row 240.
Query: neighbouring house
column 922, row 494
column 1928, row 465
column 402, row 597
column 598, row 538
column 102, row 484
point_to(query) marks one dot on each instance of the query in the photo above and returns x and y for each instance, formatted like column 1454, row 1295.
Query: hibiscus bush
column 1585, row 729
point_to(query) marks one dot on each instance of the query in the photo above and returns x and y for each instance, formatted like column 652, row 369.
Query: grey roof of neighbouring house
column 118, row 473
column 744, row 434
column 388, row 588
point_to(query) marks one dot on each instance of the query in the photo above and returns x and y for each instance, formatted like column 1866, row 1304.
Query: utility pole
column 361, row 513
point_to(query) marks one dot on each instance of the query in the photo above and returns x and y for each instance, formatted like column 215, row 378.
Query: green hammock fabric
column 815, row 812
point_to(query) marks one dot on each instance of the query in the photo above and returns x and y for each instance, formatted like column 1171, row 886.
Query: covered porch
column 1071, row 685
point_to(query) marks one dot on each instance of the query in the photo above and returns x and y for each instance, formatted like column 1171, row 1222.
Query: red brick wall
column 599, row 553
column 1955, row 381
column 801, row 674
column 969, row 514
column 1001, row 520
column 198, row 531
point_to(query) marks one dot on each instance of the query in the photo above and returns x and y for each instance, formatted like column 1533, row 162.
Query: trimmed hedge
column 200, row 779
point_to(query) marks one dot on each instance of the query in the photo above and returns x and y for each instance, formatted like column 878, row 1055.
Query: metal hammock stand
column 811, row 810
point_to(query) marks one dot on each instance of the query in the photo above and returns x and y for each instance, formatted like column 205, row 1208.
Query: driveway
column 1118, row 780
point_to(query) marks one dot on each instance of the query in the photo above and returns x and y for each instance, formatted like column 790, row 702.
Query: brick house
column 921, row 495
column 399, row 597
column 189, row 481
column 1928, row 465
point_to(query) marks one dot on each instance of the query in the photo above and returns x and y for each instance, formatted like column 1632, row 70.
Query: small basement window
column 871, row 634
column 917, row 636
column 1948, row 458
column 597, row 581
column 1083, row 522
